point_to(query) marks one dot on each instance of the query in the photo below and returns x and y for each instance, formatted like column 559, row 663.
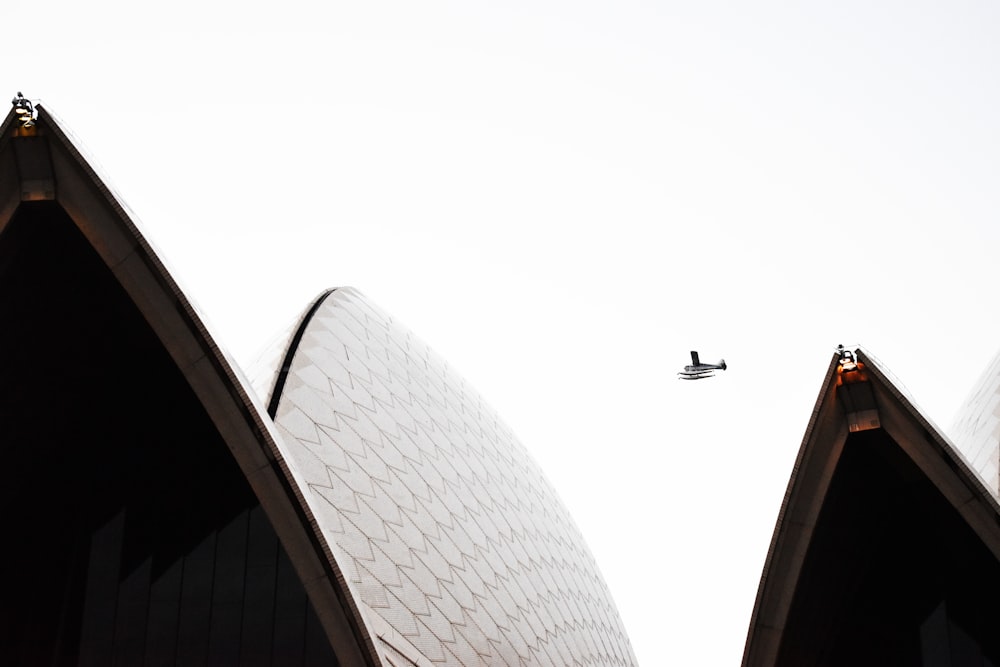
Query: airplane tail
column 722, row 364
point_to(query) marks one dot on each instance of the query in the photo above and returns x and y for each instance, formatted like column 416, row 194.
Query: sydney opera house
column 360, row 506
column 357, row 503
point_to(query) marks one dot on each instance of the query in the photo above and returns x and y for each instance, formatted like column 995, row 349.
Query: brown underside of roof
column 926, row 451
column 44, row 164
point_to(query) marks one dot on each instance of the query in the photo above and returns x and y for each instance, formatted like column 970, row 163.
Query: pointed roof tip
column 892, row 393
column 69, row 179
column 872, row 399
column 24, row 110
column 82, row 160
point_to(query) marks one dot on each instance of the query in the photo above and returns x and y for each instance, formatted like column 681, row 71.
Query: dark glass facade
column 131, row 535
column 893, row 575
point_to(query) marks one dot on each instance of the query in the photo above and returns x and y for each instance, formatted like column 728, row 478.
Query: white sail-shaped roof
column 452, row 540
column 976, row 430
column 421, row 530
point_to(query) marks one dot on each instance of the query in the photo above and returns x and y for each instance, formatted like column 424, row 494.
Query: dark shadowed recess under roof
column 132, row 536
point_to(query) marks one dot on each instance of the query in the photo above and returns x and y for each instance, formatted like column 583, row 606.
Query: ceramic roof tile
column 433, row 497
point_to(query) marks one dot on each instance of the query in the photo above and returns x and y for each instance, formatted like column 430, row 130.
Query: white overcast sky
column 563, row 199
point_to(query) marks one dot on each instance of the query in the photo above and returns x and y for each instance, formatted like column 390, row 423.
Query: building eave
column 234, row 409
column 821, row 449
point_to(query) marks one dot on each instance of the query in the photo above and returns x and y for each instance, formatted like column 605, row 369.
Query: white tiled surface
column 263, row 371
column 976, row 431
column 441, row 521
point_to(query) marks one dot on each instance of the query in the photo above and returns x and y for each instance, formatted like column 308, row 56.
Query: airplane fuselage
column 698, row 370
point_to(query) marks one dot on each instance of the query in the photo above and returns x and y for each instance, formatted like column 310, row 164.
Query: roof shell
column 43, row 162
column 457, row 549
column 452, row 540
column 976, row 430
column 835, row 415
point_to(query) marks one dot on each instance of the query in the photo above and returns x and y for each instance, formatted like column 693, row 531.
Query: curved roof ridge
column 111, row 229
column 869, row 400
column 975, row 428
column 421, row 487
column 293, row 345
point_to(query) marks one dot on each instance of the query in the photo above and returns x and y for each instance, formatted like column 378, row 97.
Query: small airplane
column 698, row 371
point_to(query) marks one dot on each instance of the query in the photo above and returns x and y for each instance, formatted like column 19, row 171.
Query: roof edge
column 815, row 463
column 293, row 346
column 226, row 396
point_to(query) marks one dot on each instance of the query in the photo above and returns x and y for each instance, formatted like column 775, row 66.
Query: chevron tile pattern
column 453, row 541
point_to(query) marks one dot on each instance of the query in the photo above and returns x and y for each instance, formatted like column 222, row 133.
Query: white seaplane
column 698, row 370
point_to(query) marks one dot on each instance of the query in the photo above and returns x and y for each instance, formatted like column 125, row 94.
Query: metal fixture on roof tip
column 24, row 109
column 848, row 361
